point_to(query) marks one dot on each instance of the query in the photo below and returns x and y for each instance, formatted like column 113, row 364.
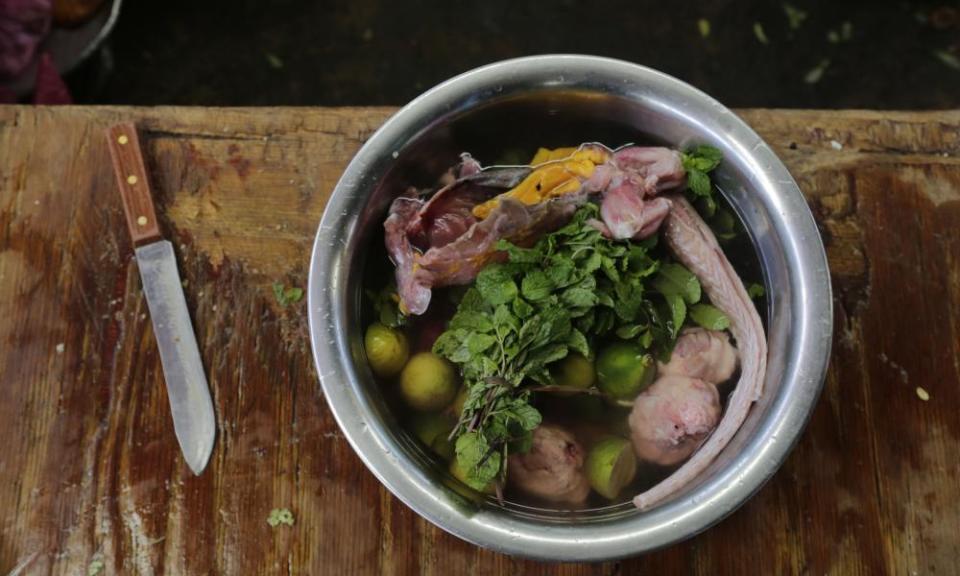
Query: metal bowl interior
column 554, row 101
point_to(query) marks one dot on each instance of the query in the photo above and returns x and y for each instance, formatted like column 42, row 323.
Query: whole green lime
column 428, row 382
column 574, row 371
column 458, row 401
column 387, row 350
column 433, row 429
column 624, row 370
column 611, row 465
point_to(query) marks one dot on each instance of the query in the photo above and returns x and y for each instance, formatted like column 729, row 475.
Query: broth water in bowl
column 568, row 333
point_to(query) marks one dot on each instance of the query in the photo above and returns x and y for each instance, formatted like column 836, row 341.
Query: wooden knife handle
column 133, row 183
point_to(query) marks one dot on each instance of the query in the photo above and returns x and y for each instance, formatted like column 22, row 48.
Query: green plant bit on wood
column 815, row 74
column 287, row 295
column 280, row 516
column 95, row 567
column 948, row 59
column 759, row 33
column 795, row 16
column 703, row 25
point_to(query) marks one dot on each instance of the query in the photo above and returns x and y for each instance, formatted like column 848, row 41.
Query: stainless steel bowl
column 559, row 100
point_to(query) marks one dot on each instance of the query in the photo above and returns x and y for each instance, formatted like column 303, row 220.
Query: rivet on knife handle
column 133, row 183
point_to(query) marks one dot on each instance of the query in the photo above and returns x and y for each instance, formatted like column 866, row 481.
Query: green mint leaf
column 629, row 331
column 522, row 309
column 628, row 303
column 477, row 343
column 471, row 320
column 461, row 354
column 709, row 317
column 471, row 447
column 540, row 357
column 609, row 268
column 698, row 182
column 496, row 285
column 561, row 273
column 578, row 343
column 476, row 458
column 586, row 322
column 604, row 322
column 592, row 262
column 528, row 416
column 678, row 313
column 579, row 297
column 604, row 299
column 448, row 343
column 520, row 255
column 704, row 158
column 473, row 300
column 756, row 291
column 646, row 339
column 536, row 285
column 675, row 279
column 504, row 321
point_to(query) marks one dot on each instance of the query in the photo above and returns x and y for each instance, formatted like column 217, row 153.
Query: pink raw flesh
column 626, row 215
column 694, row 245
column 552, row 469
column 447, row 215
column 671, row 418
column 460, row 261
column 414, row 296
column 660, row 169
column 704, row 354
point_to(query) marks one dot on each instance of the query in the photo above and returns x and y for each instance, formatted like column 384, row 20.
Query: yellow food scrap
column 547, row 155
column 557, row 172
column 923, row 394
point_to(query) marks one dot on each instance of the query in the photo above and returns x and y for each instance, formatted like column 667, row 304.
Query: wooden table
column 90, row 472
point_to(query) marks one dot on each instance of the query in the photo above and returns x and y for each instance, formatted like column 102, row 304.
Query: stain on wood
column 90, row 470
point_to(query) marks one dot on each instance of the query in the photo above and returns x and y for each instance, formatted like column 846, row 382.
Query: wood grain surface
column 90, row 473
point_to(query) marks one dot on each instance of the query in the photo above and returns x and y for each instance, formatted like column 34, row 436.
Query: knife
column 187, row 390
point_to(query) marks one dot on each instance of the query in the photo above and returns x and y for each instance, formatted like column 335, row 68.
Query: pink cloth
column 49, row 87
column 24, row 24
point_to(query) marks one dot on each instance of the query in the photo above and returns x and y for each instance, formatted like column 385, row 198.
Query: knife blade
column 194, row 421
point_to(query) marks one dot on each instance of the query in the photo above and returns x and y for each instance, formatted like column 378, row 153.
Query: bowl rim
column 713, row 499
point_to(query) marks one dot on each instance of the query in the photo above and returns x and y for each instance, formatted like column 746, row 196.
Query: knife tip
column 197, row 462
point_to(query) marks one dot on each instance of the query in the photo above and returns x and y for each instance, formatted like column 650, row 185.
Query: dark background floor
column 297, row 52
